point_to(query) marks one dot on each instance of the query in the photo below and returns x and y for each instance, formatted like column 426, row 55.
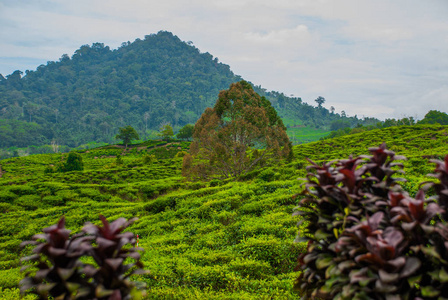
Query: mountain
column 145, row 84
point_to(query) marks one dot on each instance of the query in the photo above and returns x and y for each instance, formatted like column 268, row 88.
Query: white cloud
column 282, row 37
column 376, row 58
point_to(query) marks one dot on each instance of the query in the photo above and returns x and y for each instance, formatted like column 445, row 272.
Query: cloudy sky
column 381, row 58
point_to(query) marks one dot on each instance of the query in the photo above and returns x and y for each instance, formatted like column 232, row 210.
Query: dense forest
column 218, row 239
column 146, row 84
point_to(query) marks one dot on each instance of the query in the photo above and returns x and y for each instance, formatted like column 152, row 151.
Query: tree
column 435, row 117
column 320, row 100
column 73, row 163
column 166, row 132
column 339, row 124
column 127, row 134
column 237, row 134
column 186, row 132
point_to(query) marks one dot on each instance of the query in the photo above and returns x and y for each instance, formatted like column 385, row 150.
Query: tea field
column 210, row 240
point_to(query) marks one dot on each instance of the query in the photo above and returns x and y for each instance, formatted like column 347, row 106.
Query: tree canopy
column 73, row 163
column 320, row 100
column 166, row 132
column 186, row 132
column 237, row 134
column 127, row 134
column 435, row 117
column 156, row 80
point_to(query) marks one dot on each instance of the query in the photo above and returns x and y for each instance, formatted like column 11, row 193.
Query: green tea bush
column 51, row 201
column 215, row 182
column 250, row 268
column 160, row 204
column 67, row 195
column 367, row 238
column 7, row 196
column 29, row 202
column 10, row 278
column 14, row 294
column 94, row 194
column 22, row 190
column 6, row 207
column 149, row 159
column 267, row 175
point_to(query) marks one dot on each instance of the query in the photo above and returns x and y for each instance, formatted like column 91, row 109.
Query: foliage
column 127, row 134
column 61, row 273
column 73, row 163
column 225, row 136
column 367, row 238
column 211, row 240
column 339, row 124
column 87, row 96
column 320, row 100
column 435, row 117
column 166, row 132
column 186, row 132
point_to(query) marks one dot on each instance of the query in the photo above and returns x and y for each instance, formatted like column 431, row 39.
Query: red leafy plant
column 62, row 274
column 367, row 238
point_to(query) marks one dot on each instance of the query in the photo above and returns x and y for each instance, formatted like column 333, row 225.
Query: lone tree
column 237, row 134
column 166, row 132
column 186, row 132
column 320, row 100
column 73, row 163
column 127, row 134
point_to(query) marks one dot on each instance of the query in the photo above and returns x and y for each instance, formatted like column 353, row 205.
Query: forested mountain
column 145, row 84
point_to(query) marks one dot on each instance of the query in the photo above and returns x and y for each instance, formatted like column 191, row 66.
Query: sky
column 370, row 58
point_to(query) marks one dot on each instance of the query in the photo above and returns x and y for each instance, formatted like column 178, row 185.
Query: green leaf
column 443, row 275
column 324, row 262
column 429, row 291
column 414, row 280
column 321, row 235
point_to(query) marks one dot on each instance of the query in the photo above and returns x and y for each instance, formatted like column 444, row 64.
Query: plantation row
column 217, row 239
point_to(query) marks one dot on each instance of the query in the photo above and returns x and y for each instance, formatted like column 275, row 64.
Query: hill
column 213, row 240
column 146, row 83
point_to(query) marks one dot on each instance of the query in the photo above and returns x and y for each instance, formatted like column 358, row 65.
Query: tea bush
column 7, row 196
column 202, row 224
column 28, row 202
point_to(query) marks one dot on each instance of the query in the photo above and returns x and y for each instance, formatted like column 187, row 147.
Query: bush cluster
column 62, row 273
column 367, row 238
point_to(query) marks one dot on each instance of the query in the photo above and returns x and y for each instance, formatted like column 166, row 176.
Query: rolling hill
column 212, row 240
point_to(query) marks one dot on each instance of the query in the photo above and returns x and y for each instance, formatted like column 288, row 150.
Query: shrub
column 51, row 201
column 29, row 202
column 22, row 190
column 119, row 160
column 149, row 159
column 73, row 163
column 7, row 196
column 367, row 238
column 61, row 273
column 267, row 175
column 6, row 207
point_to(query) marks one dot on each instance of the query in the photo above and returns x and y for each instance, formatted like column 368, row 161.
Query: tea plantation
column 210, row 240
